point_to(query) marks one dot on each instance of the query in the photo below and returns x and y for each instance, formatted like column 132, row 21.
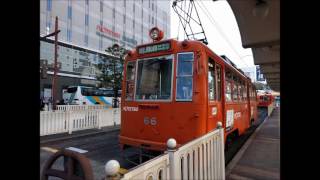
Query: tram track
column 236, row 145
column 105, row 146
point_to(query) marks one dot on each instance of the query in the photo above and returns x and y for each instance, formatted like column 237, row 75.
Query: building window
column 49, row 5
column 48, row 26
column 86, row 19
column 86, row 40
column 152, row 20
column 87, row 2
column 134, row 7
column 69, row 35
column 152, row 7
column 101, row 6
column 69, row 12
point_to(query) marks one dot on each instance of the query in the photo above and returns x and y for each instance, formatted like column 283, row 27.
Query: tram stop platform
column 259, row 157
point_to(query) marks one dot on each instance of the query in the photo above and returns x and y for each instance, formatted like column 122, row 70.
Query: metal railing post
column 112, row 168
column 222, row 165
column 99, row 118
column 70, row 122
column 171, row 145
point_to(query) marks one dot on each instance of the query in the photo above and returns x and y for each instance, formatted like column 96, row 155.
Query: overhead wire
column 212, row 20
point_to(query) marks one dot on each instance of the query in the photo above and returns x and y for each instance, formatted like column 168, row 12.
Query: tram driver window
column 184, row 77
column 131, row 66
column 154, row 77
column 211, row 79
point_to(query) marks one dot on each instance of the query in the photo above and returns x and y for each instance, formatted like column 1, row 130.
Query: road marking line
column 77, row 150
column 49, row 149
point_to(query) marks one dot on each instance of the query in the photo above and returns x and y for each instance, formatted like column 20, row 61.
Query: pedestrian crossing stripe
column 77, row 150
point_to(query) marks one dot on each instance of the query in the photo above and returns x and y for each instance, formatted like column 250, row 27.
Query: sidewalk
column 77, row 134
column 259, row 158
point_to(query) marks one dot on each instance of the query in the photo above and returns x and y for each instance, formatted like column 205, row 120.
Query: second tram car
column 181, row 89
column 265, row 99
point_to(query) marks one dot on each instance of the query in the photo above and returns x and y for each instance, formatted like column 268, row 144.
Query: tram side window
column 218, row 90
column 235, row 89
column 211, row 79
column 251, row 96
column 244, row 92
column 184, row 77
column 255, row 95
column 240, row 87
column 228, row 87
column 131, row 66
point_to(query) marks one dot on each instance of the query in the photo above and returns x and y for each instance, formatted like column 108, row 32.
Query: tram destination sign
column 154, row 48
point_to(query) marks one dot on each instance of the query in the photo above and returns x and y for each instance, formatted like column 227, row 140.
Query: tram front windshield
column 154, row 78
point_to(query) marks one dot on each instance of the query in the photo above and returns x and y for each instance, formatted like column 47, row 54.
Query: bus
column 81, row 95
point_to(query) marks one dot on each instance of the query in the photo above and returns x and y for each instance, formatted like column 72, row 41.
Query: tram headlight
column 156, row 34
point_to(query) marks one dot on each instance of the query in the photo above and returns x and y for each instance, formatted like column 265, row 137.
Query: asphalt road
column 104, row 147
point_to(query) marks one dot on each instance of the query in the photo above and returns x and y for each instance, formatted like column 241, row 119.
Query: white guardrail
column 80, row 107
column 62, row 121
column 202, row 158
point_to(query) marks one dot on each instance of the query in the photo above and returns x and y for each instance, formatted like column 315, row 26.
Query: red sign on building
column 107, row 31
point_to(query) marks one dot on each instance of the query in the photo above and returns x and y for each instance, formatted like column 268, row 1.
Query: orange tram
column 181, row 89
column 265, row 99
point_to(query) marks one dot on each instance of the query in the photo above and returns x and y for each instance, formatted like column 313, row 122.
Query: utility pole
column 55, row 64
column 54, row 81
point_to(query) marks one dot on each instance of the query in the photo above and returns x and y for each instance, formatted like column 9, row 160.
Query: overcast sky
column 225, row 22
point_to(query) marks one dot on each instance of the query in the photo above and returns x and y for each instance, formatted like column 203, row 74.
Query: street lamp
column 55, row 34
column 119, row 53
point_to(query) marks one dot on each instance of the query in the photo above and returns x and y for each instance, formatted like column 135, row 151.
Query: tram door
column 214, row 94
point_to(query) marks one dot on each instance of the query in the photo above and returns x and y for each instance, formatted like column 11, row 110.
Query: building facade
column 88, row 27
column 254, row 73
